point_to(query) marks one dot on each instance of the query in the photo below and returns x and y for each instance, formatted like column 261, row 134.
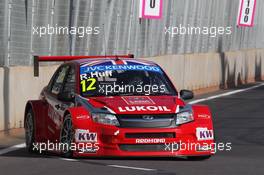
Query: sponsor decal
column 204, row 134
column 204, row 116
column 143, row 108
column 83, row 117
column 246, row 13
column 82, row 135
column 87, row 69
column 152, row 140
column 138, row 100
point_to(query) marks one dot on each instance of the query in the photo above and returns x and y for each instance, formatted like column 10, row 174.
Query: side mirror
column 186, row 94
column 66, row 96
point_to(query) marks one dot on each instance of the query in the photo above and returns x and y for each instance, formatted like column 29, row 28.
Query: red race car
column 115, row 106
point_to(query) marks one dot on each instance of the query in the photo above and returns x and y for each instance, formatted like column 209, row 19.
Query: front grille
column 138, row 121
column 139, row 116
column 143, row 147
column 150, row 135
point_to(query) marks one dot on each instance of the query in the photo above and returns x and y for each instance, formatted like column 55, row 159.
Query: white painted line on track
column 71, row 160
column 115, row 166
column 225, row 94
column 12, row 148
column 130, row 167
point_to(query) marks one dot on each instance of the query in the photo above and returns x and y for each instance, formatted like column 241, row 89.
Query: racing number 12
column 88, row 85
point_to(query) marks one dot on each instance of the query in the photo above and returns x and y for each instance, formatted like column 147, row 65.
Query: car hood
column 137, row 104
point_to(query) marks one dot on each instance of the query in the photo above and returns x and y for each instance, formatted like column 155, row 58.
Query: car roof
column 113, row 60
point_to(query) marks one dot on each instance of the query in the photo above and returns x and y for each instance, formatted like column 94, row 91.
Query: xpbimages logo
column 85, row 142
column 87, row 147
column 115, row 88
column 173, row 31
column 64, row 30
column 199, row 147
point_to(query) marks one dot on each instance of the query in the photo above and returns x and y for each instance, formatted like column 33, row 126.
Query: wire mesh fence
column 120, row 29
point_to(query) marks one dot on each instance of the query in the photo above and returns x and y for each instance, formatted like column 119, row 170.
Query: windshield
column 124, row 80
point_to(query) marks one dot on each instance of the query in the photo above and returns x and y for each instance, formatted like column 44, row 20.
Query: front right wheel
column 66, row 136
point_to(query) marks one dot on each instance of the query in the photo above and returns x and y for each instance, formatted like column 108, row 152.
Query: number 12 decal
column 88, row 85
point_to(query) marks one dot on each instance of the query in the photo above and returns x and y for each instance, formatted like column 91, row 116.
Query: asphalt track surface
column 238, row 118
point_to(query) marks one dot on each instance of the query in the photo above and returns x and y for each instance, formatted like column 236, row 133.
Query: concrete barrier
column 199, row 72
column 192, row 71
column 213, row 70
column 22, row 86
column 242, row 67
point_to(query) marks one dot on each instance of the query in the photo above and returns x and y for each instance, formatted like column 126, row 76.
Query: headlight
column 184, row 117
column 108, row 119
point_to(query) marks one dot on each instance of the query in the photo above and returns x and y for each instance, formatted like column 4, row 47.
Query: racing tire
column 66, row 136
column 198, row 158
column 29, row 130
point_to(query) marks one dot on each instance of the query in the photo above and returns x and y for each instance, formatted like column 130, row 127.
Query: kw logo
column 85, row 136
column 204, row 134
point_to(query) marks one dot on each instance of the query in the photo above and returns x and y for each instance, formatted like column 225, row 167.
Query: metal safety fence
column 115, row 28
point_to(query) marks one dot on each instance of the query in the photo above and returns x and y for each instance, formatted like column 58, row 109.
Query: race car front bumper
column 179, row 141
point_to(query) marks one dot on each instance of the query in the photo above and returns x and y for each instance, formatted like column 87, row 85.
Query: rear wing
column 38, row 59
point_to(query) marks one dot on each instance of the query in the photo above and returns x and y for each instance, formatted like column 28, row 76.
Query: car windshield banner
column 111, row 80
